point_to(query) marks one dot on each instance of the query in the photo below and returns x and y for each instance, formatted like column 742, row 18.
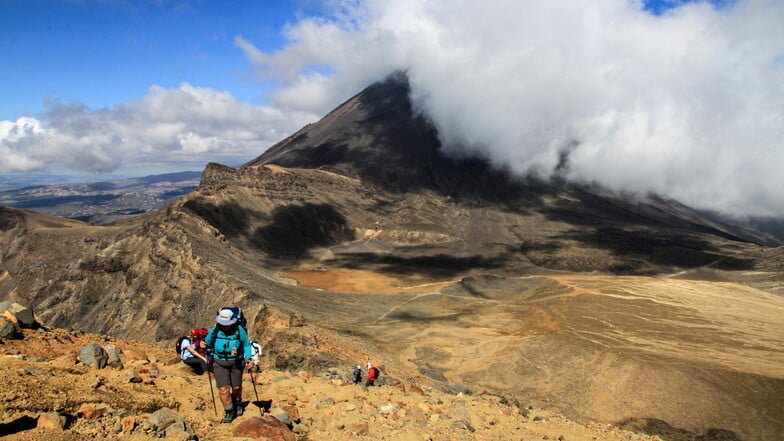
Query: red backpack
column 197, row 335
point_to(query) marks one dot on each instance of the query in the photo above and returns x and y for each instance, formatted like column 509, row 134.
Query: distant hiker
column 231, row 351
column 357, row 375
column 255, row 354
column 372, row 375
column 192, row 350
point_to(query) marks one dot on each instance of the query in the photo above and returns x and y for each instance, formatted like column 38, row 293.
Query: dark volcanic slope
column 373, row 135
column 376, row 136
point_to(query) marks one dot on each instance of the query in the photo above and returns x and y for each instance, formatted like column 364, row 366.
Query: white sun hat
column 226, row 317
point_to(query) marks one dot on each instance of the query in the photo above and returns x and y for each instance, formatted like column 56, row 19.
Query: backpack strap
column 183, row 346
column 212, row 334
column 222, row 355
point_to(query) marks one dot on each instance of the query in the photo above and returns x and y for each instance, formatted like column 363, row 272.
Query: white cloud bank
column 167, row 129
column 689, row 104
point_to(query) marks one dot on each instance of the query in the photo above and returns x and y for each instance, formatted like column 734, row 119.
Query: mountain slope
column 376, row 137
column 602, row 306
column 41, row 378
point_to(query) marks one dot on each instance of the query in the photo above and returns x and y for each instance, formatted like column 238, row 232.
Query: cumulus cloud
column 688, row 104
column 167, row 129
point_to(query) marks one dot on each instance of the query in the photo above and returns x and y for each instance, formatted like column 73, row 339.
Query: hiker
column 231, row 354
column 255, row 353
column 192, row 351
column 372, row 375
column 357, row 375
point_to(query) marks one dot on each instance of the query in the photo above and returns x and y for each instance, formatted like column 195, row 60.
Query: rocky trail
column 51, row 392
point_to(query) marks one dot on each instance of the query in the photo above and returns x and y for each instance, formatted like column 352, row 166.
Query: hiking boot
column 238, row 409
column 229, row 417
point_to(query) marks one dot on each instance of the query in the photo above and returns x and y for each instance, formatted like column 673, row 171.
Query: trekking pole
column 212, row 393
column 253, row 381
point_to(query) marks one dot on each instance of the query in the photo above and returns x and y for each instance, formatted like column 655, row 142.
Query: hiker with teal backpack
column 230, row 349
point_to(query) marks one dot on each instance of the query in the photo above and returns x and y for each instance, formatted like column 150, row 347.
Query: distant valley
column 102, row 202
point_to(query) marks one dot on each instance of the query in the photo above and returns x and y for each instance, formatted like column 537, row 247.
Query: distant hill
column 105, row 201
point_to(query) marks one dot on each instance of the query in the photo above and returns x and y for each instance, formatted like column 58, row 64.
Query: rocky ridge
column 53, row 391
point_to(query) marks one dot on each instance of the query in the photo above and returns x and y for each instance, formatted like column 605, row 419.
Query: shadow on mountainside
column 294, row 229
column 439, row 265
column 666, row 432
column 424, row 317
column 659, row 248
column 288, row 232
column 230, row 219
column 591, row 210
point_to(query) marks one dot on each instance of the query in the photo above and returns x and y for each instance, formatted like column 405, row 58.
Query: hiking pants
column 228, row 372
column 197, row 364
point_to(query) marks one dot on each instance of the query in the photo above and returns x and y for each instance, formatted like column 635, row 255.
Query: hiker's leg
column 236, row 380
column 225, row 395
column 223, row 380
column 196, row 364
column 237, row 398
column 236, row 387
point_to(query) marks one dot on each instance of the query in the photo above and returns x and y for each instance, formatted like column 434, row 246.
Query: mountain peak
column 374, row 135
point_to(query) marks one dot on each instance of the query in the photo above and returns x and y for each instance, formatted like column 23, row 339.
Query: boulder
column 180, row 430
column 19, row 314
column 113, row 358
column 132, row 376
column 162, row 418
column 93, row 355
column 266, row 427
column 293, row 412
column 51, row 420
column 92, row 411
column 128, row 423
column 388, row 409
column 459, row 413
column 281, row 415
column 414, row 389
column 7, row 329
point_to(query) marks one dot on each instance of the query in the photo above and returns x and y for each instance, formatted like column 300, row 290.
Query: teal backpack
column 223, row 344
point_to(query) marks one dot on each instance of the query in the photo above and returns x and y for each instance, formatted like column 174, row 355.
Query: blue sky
column 106, row 52
column 102, row 53
column 648, row 89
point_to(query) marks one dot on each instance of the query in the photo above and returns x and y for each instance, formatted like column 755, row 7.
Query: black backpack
column 178, row 345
